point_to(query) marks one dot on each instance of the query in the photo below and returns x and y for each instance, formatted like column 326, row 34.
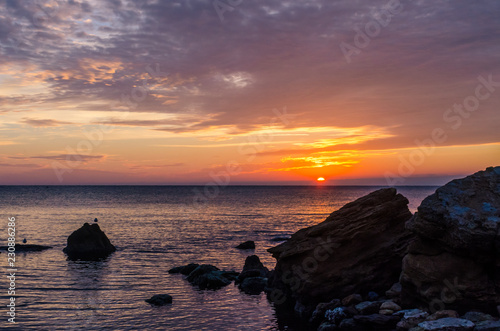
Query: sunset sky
column 248, row 92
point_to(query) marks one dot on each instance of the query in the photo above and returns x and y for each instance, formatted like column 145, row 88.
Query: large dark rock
column 357, row 249
column 88, row 243
column 455, row 262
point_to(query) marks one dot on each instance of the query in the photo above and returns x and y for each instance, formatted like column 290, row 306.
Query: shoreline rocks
column 357, row 249
column 254, row 276
column 88, row 243
column 454, row 262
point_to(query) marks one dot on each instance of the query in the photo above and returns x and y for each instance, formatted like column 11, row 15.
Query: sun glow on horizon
column 320, row 179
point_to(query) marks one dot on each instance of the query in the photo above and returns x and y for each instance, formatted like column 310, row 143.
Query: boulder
column 352, row 299
column 487, row 326
column 368, row 307
column 446, row 324
column 476, row 316
column 390, row 305
column 410, row 318
column 88, row 243
column 321, row 308
column 442, row 314
column 208, row 277
column 159, row 299
column 253, row 285
column 454, row 263
column 357, row 249
column 252, row 268
column 246, row 245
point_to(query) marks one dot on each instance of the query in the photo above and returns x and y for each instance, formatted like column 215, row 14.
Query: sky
column 226, row 92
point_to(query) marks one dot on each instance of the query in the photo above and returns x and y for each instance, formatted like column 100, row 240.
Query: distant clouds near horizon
column 110, row 92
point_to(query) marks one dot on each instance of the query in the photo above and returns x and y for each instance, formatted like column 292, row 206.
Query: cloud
column 62, row 157
column 43, row 122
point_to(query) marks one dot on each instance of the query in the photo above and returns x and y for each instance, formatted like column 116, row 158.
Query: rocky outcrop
column 357, row 249
column 253, row 277
column 88, row 243
column 455, row 262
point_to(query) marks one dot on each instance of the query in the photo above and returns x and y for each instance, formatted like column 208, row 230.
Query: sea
column 154, row 229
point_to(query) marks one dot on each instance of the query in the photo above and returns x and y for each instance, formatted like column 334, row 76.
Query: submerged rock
column 27, row 248
column 456, row 253
column 357, row 249
column 208, row 277
column 159, row 299
column 185, row 270
column 88, row 243
column 246, row 245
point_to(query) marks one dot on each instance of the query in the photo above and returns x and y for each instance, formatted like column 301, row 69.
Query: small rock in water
column 159, row 299
column 185, row 270
column 475, row 316
column 246, row 245
column 207, row 276
column 253, row 285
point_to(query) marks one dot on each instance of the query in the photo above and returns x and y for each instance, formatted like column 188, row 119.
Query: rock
column 442, row 314
column 487, row 326
column 475, row 316
column 386, row 312
column 27, row 248
column 372, row 296
column 390, row 305
column 368, row 307
column 185, row 270
column 246, row 245
column 394, row 291
column 458, row 241
column 411, row 317
column 253, row 285
column 335, row 315
column 159, row 299
column 352, row 299
column 252, row 268
column 321, row 308
column 88, row 243
column 357, row 249
column 447, row 324
column 207, row 276
column 376, row 320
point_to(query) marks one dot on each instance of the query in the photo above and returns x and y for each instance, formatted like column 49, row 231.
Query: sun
column 320, row 179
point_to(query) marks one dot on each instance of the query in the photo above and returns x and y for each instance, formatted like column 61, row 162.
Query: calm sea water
column 154, row 229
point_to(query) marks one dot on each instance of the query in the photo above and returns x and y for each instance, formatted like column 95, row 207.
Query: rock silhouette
column 456, row 253
column 357, row 249
column 88, row 243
